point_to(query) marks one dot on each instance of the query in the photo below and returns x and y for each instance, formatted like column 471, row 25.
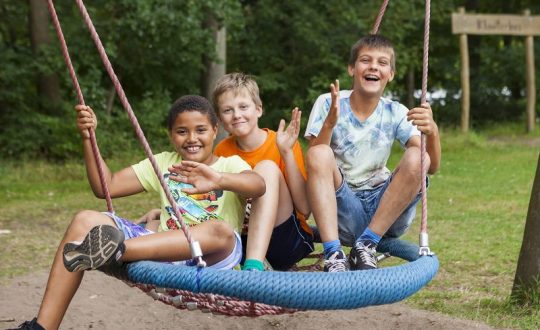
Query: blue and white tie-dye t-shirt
column 362, row 148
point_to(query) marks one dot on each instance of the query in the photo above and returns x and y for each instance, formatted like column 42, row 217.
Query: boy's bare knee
column 411, row 164
column 319, row 157
column 267, row 169
column 223, row 231
column 85, row 220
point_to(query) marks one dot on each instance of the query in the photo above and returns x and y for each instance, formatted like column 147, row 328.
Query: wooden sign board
column 517, row 25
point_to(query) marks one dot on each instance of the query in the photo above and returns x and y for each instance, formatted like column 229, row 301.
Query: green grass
column 477, row 208
column 477, row 204
column 38, row 201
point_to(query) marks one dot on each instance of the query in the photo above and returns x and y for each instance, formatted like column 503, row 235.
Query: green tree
column 160, row 48
column 156, row 48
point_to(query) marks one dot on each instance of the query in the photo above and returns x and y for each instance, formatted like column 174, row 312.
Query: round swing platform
column 234, row 292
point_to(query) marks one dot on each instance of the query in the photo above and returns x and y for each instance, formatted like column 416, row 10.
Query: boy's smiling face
column 238, row 112
column 372, row 70
column 193, row 136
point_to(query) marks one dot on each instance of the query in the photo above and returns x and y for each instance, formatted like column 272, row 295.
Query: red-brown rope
column 125, row 103
column 213, row 303
column 425, row 62
column 93, row 142
column 379, row 18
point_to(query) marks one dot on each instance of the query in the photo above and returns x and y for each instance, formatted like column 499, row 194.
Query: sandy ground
column 107, row 303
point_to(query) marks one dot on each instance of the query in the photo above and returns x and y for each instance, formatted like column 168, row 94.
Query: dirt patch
column 103, row 302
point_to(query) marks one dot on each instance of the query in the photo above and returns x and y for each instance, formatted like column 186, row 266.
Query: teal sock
column 253, row 264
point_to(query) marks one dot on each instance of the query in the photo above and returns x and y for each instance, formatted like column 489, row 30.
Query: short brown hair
column 376, row 41
column 235, row 82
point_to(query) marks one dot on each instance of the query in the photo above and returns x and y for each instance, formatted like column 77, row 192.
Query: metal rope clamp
column 196, row 253
column 424, row 245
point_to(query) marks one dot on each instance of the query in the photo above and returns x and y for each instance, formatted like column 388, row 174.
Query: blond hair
column 236, row 82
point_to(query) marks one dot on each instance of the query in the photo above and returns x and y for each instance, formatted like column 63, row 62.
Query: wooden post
column 530, row 74
column 215, row 67
column 528, row 267
column 465, row 83
column 489, row 24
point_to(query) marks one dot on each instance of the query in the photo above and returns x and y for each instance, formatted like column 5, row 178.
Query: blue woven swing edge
column 296, row 290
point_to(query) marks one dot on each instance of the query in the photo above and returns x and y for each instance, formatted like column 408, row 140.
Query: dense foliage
column 294, row 48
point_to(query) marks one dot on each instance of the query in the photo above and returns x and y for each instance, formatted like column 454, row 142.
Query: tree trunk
column 527, row 280
column 474, row 43
column 411, row 103
column 215, row 66
column 48, row 85
column 110, row 100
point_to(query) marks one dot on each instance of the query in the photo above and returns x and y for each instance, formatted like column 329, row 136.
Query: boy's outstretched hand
column 333, row 112
column 286, row 138
column 86, row 119
column 202, row 177
column 422, row 117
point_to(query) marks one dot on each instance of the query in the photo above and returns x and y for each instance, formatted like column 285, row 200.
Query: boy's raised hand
column 201, row 176
column 422, row 117
column 333, row 112
column 286, row 138
column 86, row 119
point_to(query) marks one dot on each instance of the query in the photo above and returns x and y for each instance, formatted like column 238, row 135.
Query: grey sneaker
column 362, row 256
column 102, row 245
column 336, row 263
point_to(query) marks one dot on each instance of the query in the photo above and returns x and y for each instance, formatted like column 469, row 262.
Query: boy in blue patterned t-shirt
column 351, row 132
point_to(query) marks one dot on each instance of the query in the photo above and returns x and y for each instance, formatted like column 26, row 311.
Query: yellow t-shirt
column 196, row 208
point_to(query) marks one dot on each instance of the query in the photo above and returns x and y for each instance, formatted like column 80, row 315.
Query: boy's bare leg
column 153, row 225
column 217, row 240
column 323, row 180
column 401, row 191
column 62, row 284
column 267, row 211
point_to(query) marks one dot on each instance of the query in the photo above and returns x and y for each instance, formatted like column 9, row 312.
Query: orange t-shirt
column 267, row 151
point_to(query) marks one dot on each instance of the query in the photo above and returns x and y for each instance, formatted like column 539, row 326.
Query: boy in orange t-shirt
column 277, row 227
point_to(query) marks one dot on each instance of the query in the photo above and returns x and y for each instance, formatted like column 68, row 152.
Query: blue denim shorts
column 357, row 207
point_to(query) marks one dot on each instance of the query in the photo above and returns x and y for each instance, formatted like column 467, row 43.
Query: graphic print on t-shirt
column 195, row 208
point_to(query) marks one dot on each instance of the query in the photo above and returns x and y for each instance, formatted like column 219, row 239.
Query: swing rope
column 75, row 81
column 379, row 18
column 194, row 245
column 423, row 239
column 275, row 292
column 424, row 242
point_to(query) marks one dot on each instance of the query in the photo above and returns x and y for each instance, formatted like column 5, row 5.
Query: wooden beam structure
column 482, row 24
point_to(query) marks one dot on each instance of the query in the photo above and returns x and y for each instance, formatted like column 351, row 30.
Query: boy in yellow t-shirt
column 277, row 227
column 192, row 171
